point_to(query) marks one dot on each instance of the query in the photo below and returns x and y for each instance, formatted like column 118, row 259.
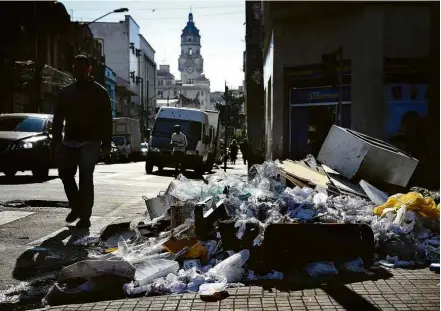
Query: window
column 202, row 93
column 190, row 51
column 397, row 93
column 197, row 93
column 189, row 39
column 160, row 94
column 413, row 90
column 175, row 93
column 21, row 124
column 159, row 82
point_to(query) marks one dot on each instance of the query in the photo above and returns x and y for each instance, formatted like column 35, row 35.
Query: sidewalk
column 406, row 290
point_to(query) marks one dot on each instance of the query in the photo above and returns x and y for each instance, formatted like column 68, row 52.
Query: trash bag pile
column 405, row 231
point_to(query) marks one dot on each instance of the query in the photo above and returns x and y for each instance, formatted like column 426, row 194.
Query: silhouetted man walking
column 85, row 107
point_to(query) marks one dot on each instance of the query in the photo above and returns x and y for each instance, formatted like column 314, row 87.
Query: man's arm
column 185, row 141
column 59, row 117
column 107, row 121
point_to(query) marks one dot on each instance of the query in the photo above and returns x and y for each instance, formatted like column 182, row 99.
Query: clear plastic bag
column 354, row 265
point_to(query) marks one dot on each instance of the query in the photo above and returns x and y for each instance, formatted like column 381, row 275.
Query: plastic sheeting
column 260, row 200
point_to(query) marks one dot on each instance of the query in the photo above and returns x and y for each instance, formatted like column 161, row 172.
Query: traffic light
column 224, row 113
column 330, row 65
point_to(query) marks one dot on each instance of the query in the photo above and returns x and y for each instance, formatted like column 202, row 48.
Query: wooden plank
column 302, row 172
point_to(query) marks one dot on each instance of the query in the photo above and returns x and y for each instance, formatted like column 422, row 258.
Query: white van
column 200, row 138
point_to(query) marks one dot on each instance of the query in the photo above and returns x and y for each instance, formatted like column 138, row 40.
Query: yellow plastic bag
column 196, row 251
column 413, row 201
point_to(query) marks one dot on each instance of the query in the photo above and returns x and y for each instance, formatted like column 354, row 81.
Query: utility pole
column 333, row 72
column 227, row 120
column 138, row 81
column 147, row 102
column 340, row 86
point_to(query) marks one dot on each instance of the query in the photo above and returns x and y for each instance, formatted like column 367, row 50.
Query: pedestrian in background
column 179, row 143
column 85, row 108
column 244, row 150
column 234, row 149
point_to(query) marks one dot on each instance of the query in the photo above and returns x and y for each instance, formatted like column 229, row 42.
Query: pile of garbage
column 212, row 233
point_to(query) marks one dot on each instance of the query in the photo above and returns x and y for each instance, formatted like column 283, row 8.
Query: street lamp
column 121, row 10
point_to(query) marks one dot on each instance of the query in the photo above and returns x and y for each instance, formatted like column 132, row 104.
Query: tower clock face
column 190, row 69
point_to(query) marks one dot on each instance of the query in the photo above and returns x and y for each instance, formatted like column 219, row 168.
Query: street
column 38, row 210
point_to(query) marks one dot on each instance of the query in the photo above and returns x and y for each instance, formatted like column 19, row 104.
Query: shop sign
column 319, row 95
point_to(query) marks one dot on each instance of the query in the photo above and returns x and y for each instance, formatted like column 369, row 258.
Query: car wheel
column 10, row 173
column 41, row 173
column 148, row 168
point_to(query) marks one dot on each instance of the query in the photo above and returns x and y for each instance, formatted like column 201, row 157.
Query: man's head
column 177, row 128
column 81, row 68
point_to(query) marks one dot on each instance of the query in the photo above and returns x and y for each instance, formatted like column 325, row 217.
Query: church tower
column 191, row 63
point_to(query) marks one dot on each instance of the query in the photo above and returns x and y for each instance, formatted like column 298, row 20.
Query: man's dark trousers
column 179, row 158
column 81, row 199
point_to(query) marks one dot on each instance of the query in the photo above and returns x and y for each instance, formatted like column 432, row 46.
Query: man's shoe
column 83, row 224
column 71, row 217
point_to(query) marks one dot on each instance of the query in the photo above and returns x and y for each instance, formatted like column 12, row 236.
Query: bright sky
column 221, row 25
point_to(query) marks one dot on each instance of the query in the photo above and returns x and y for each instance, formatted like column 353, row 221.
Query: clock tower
column 191, row 63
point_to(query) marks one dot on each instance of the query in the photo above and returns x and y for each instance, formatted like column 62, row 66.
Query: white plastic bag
column 154, row 269
column 210, row 289
column 231, row 268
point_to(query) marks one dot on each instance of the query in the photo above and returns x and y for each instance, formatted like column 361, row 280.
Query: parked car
column 25, row 144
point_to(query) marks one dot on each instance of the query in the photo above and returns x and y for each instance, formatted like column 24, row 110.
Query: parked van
column 201, row 140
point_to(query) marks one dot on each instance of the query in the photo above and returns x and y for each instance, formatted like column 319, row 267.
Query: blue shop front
column 312, row 113
column 312, row 104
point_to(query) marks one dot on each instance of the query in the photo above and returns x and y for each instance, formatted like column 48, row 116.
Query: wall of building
column 147, row 70
column 110, row 85
column 133, row 59
column 114, row 37
column 368, row 33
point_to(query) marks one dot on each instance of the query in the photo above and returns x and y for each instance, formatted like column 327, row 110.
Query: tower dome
column 190, row 29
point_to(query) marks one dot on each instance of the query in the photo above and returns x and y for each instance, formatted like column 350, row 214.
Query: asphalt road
column 32, row 213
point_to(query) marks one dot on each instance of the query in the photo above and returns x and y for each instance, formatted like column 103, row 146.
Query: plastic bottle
column 131, row 290
column 278, row 186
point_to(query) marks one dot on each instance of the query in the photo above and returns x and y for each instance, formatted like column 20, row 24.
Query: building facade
column 193, row 83
column 32, row 74
column 385, row 49
column 129, row 54
column 110, row 85
column 147, row 69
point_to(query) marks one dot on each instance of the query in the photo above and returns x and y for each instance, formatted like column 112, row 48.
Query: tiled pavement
column 405, row 290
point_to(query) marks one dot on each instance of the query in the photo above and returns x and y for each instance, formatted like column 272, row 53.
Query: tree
column 231, row 113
